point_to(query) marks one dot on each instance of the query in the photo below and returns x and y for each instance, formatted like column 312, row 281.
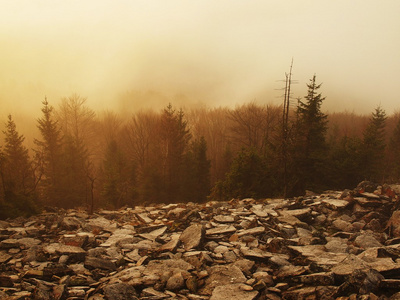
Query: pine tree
column 345, row 170
column 50, row 150
column 175, row 137
column 374, row 144
column 196, row 171
column 248, row 177
column 77, row 125
column 17, row 175
column 310, row 145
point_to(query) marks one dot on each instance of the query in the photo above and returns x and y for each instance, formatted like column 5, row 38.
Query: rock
column 172, row 245
column 119, row 291
column 192, row 236
column 394, row 224
column 315, row 279
column 335, row 204
column 221, row 230
column 6, row 281
column 119, row 236
column 367, row 241
column 233, row 292
column 60, row 292
column 337, row 245
column 9, row 243
column 222, row 275
column 312, row 247
column 224, row 219
column 70, row 223
column 175, row 282
column 100, row 263
column 4, row 257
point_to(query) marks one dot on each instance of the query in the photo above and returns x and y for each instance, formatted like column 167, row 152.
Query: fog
column 129, row 55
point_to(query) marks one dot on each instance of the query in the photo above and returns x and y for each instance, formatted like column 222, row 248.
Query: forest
column 88, row 159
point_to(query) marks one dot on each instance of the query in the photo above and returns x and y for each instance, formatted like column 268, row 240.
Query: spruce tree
column 374, row 144
column 174, row 136
column 17, row 175
column 196, row 172
column 50, row 150
column 310, row 146
column 248, row 177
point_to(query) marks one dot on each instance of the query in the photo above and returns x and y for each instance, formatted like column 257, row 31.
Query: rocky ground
column 337, row 245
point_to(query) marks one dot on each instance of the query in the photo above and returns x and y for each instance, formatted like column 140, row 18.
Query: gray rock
column 337, row 245
column 70, row 223
column 367, row 241
column 221, row 230
column 119, row 291
column 100, row 263
column 9, row 243
column 175, row 282
column 222, row 275
column 192, row 236
column 233, row 292
column 224, row 218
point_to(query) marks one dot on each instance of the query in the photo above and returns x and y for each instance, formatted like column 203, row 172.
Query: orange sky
column 138, row 54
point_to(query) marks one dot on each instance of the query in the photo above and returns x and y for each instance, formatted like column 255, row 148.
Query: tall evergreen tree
column 344, row 164
column 196, row 171
column 77, row 126
column 374, row 143
column 175, row 137
column 310, row 146
column 50, row 150
column 248, row 177
column 17, row 176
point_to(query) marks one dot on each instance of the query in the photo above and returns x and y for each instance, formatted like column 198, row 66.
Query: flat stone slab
column 4, row 257
column 255, row 253
column 172, row 245
column 99, row 263
column 154, row 234
column 63, row 249
column 298, row 213
column 221, row 275
column 318, row 254
column 192, row 236
column 335, row 203
column 221, row 230
column 224, row 219
column 233, row 292
column 251, row 231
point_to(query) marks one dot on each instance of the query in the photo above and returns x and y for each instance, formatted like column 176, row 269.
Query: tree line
column 84, row 159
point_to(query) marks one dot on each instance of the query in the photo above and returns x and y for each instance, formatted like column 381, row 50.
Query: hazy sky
column 221, row 52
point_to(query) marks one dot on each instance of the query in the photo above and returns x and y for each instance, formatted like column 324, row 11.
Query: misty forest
column 83, row 158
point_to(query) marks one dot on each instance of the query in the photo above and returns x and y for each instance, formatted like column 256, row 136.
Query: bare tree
column 253, row 125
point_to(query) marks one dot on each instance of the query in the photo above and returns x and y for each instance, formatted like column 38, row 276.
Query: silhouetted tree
column 248, row 177
column 17, row 175
column 310, row 145
column 77, row 126
column 344, row 163
column 174, row 139
column 196, row 171
column 374, row 143
column 49, row 151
